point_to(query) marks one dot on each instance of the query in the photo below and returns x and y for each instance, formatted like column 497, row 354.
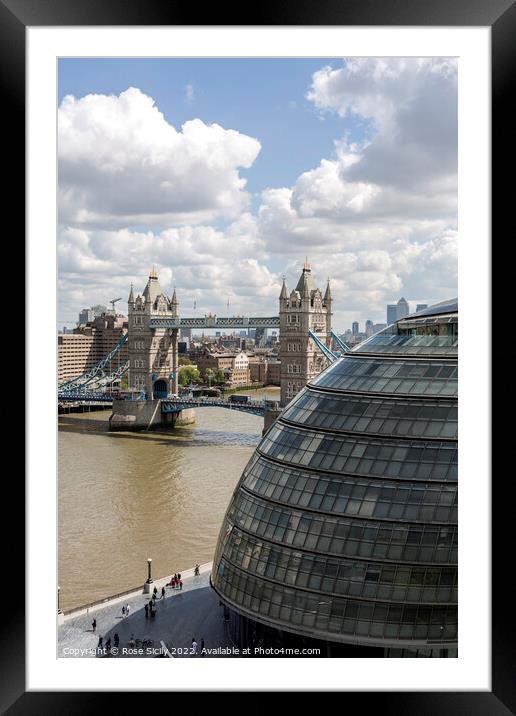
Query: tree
column 188, row 374
column 209, row 373
column 183, row 360
column 220, row 377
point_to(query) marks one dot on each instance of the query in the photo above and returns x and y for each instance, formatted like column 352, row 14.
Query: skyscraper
column 402, row 309
column 392, row 313
column 395, row 311
column 355, row 328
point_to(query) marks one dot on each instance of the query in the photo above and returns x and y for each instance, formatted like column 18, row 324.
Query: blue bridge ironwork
column 171, row 405
column 210, row 321
column 89, row 385
column 174, row 405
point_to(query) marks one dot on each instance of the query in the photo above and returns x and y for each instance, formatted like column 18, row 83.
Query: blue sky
column 351, row 162
column 263, row 98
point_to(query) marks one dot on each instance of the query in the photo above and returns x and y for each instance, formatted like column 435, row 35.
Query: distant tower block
column 153, row 352
column 305, row 309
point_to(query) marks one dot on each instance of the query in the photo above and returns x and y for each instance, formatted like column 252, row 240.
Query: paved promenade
column 182, row 615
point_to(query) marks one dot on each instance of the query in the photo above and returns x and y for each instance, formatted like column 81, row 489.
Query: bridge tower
column 153, row 352
column 303, row 310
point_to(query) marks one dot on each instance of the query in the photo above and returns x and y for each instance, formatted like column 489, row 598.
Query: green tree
column 188, row 374
column 220, row 377
column 209, row 373
column 183, row 360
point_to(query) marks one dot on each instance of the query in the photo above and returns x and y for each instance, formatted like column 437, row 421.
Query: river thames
column 124, row 497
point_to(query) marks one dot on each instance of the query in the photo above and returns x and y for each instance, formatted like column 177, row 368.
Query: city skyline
column 225, row 174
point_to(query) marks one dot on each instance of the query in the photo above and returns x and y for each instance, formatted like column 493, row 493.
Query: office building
column 342, row 532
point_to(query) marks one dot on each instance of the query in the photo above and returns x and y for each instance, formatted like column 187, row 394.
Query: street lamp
column 149, row 567
column 58, row 607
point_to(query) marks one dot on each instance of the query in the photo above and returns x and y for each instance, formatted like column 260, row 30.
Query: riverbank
column 181, row 616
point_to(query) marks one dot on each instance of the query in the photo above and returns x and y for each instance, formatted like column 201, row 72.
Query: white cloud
column 121, row 163
column 378, row 217
column 412, row 104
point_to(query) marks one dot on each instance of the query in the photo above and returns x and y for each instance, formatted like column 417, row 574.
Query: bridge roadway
column 172, row 405
column 210, row 321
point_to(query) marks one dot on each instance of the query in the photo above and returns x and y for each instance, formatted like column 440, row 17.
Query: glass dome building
column 342, row 531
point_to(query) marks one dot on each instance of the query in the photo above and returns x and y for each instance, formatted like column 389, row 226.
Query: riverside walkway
column 182, row 615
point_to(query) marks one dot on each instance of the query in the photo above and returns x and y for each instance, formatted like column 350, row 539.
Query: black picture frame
column 500, row 16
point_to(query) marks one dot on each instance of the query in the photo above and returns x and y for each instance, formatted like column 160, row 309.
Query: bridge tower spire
column 302, row 311
column 153, row 352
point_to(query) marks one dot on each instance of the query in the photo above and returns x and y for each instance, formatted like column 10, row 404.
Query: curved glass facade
column 343, row 527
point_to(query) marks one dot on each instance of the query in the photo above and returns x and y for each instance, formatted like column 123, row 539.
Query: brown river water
column 124, row 497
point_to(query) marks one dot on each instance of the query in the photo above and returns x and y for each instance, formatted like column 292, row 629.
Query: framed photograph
column 250, row 241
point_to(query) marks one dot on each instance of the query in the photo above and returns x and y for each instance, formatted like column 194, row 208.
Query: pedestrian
column 155, row 591
column 116, row 640
column 146, row 609
column 123, row 611
column 163, row 592
column 174, row 583
column 127, row 609
column 179, row 577
column 99, row 645
column 154, row 598
column 180, row 584
column 94, row 624
column 194, row 646
column 108, row 644
column 196, row 572
column 152, row 613
column 202, row 646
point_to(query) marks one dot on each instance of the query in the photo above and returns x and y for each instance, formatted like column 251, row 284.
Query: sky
column 225, row 174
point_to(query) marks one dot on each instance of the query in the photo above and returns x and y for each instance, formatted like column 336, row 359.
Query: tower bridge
column 307, row 343
column 211, row 321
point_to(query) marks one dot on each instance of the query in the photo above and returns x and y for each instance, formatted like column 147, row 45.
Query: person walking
column 202, row 646
column 123, row 611
column 127, row 609
column 194, row 646
column 196, row 571
column 180, row 585
column 108, row 644
column 163, row 592
column 179, row 577
column 99, row 645
column 116, row 640
column 155, row 591
column 146, row 607
column 94, row 624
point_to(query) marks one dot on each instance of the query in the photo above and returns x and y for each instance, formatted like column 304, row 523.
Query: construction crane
column 113, row 303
